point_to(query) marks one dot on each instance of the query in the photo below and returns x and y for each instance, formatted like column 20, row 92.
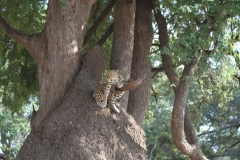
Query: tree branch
column 156, row 71
column 189, row 68
column 3, row 157
column 106, row 35
column 163, row 38
column 219, row 130
column 33, row 43
column 131, row 85
column 160, row 69
column 94, row 27
column 14, row 33
column 190, row 133
column 231, row 146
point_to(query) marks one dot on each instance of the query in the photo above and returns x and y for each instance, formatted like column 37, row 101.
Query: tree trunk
column 79, row 129
column 69, row 124
column 190, row 148
column 123, row 37
column 190, row 133
column 177, row 124
column 59, row 61
column 139, row 98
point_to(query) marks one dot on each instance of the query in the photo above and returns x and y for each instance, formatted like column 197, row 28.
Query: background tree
column 191, row 39
column 14, row 129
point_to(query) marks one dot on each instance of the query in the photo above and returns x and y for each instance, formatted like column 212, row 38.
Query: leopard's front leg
column 101, row 93
column 114, row 101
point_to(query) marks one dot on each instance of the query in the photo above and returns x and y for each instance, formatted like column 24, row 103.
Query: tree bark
column 143, row 33
column 59, row 61
column 190, row 133
column 69, row 124
column 34, row 44
column 123, row 37
column 79, row 129
column 177, row 123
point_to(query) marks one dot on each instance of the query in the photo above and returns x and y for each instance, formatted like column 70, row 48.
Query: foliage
column 18, row 70
column 214, row 91
column 157, row 122
column 221, row 138
column 14, row 128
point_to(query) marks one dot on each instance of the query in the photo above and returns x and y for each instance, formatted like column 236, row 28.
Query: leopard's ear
column 118, row 71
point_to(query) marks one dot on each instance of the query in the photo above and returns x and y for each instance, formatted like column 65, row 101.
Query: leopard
column 102, row 91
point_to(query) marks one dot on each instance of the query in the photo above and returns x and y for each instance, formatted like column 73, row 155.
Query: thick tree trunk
column 139, row 98
column 59, row 61
column 56, row 50
column 80, row 130
column 123, row 37
column 69, row 124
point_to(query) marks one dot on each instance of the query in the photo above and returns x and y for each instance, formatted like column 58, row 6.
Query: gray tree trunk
column 123, row 40
column 140, row 97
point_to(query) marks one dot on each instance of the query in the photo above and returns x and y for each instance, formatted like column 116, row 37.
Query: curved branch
column 190, row 133
column 189, row 68
column 181, row 91
column 163, row 38
column 190, row 148
column 13, row 33
column 132, row 84
column 33, row 43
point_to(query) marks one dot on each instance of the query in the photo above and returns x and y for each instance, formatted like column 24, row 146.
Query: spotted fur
column 101, row 92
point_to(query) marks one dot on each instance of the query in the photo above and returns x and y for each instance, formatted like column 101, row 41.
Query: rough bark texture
column 79, row 129
column 191, row 148
column 59, row 61
column 177, row 124
column 69, row 124
column 123, row 36
column 139, row 98
column 190, row 133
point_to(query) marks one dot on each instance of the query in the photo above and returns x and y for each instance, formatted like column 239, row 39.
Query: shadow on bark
column 79, row 129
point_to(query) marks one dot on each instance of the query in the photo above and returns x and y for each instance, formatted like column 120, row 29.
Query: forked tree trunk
column 190, row 145
column 78, row 129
